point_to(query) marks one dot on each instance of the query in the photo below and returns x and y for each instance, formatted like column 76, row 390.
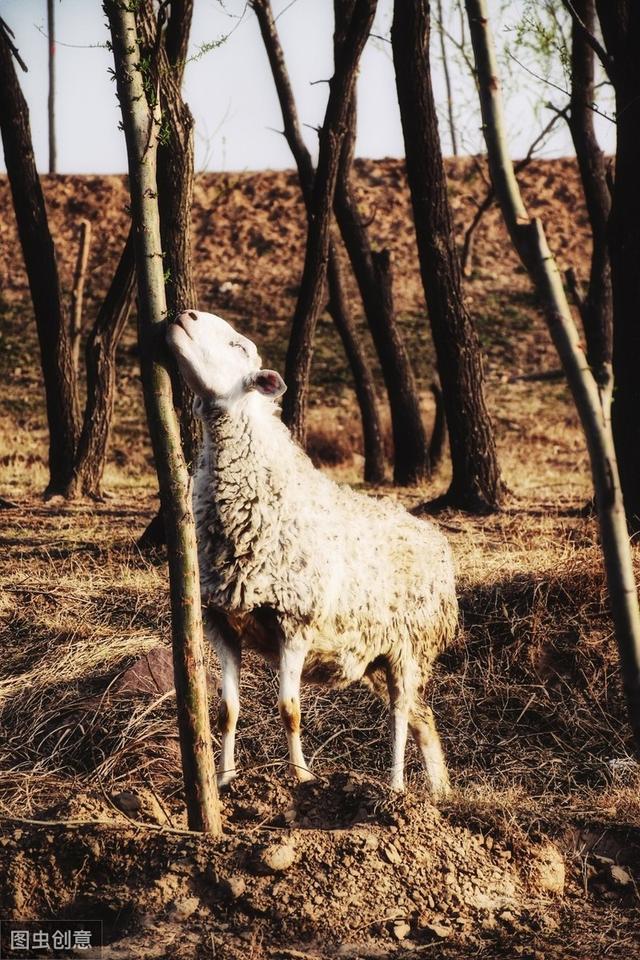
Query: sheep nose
column 183, row 315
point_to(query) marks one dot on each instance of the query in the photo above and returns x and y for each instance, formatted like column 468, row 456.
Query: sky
column 231, row 94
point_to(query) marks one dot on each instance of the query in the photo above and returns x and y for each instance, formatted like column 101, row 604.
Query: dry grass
column 528, row 698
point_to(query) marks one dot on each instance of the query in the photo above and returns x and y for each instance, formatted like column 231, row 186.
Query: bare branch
column 557, row 86
column 594, row 43
column 487, row 203
column 8, row 33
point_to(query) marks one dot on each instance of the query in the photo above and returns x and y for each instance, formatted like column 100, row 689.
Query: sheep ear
column 198, row 407
column 268, row 382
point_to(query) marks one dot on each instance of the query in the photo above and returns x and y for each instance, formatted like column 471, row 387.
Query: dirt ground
column 536, row 854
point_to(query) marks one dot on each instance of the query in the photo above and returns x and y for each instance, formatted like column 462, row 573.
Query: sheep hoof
column 224, row 779
column 396, row 786
column 441, row 792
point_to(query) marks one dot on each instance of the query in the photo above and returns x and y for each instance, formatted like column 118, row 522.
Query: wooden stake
column 139, row 102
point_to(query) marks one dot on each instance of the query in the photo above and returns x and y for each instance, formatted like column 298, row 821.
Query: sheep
column 330, row 585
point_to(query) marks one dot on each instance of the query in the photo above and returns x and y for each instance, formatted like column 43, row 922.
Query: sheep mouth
column 177, row 337
column 178, row 322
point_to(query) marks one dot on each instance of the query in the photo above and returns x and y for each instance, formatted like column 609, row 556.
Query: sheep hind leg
column 399, row 698
column 425, row 734
column 291, row 663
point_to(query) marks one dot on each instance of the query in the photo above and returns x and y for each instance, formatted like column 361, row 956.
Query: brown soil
column 536, row 855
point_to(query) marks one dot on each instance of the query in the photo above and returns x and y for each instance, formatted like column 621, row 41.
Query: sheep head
column 219, row 364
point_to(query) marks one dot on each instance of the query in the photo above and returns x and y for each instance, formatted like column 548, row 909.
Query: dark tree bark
column 374, row 276
column 620, row 22
column 476, row 484
column 338, row 307
column 374, row 457
column 42, row 271
column 51, row 99
column 141, row 123
column 597, row 307
column 310, row 298
column 100, row 354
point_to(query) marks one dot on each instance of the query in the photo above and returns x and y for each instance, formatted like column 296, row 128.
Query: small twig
column 556, row 86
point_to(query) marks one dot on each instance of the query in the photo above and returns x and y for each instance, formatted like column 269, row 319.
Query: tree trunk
column 593, row 405
column 42, row 271
column 77, row 293
column 447, row 81
column 51, row 100
column 620, row 22
column 476, row 484
column 310, row 298
column 597, row 307
column 374, row 457
column 175, row 186
column 100, row 354
column 141, row 125
column 338, row 307
column 373, row 274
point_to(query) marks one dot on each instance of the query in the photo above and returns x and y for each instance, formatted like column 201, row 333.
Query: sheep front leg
column 228, row 711
column 292, row 658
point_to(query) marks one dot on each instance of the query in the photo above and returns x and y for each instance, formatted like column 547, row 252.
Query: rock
column 548, row 869
column 235, row 886
column 248, row 811
column 152, row 673
column 391, row 854
column 127, row 801
column 620, row 876
column 401, row 930
column 277, row 857
column 183, row 909
column 439, row 929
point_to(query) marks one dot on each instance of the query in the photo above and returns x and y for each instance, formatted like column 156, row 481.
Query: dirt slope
column 249, row 232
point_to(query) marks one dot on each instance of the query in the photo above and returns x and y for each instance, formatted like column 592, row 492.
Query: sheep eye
column 236, row 343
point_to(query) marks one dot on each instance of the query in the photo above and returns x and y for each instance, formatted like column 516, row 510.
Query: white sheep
column 330, row 585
